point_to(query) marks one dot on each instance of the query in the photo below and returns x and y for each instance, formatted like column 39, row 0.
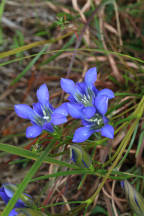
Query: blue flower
column 43, row 116
column 89, row 105
column 6, row 193
column 97, row 123
column 82, row 93
column 86, row 95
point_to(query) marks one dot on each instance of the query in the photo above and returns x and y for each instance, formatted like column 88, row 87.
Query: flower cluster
column 89, row 105
column 85, row 103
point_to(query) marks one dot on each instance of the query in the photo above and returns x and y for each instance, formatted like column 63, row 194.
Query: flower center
column 85, row 99
column 40, row 120
column 96, row 121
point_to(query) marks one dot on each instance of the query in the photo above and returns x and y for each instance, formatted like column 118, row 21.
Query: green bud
column 81, row 157
column 135, row 199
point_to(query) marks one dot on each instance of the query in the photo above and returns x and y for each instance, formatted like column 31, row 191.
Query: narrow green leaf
column 29, row 66
column 51, row 58
column 27, row 179
column 31, row 155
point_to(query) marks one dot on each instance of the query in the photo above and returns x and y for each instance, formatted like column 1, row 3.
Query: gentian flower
column 6, row 193
column 43, row 116
column 89, row 105
column 82, row 93
column 97, row 123
column 80, row 157
column 135, row 199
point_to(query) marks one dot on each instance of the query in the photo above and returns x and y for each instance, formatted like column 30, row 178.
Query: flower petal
column 48, row 127
column 82, row 134
column 37, row 108
column 33, row 131
column 107, row 131
column 3, row 195
column 105, row 120
column 91, row 76
column 107, row 92
column 89, row 112
column 13, row 213
column 62, row 109
column 43, row 95
column 81, row 87
column 101, row 103
column 68, row 86
column 58, row 118
column 8, row 190
column 24, row 111
column 75, row 110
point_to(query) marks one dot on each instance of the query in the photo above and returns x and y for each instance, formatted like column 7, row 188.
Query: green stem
column 137, row 113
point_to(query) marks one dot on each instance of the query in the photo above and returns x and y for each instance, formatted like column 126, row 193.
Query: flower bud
column 7, row 191
column 80, row 157
column 135, row 199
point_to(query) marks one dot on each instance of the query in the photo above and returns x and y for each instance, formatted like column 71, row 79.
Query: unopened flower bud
column 135, row 199
column 81, row 157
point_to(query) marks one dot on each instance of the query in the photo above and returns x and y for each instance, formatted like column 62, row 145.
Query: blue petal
column 24, row 111
column 122, row 184
column 68, row 86
column 81, row 87
column 62, row 109
column 106, row 92
column 7, row 191
column 85, row 123
column 3, row 195
column 75, row 110
column 37, row 108
column 58, row 118
column 13, row 212
column 82, row 134
column 33, row 131
column 101, row 103
column 19, row 204
column 73, row 156
column 89, row 112
column 105, row 119
column 43, row 95
column 107, row 131
column 91, row 76
column 72, row 99
column 95, row 90
column 48, row 127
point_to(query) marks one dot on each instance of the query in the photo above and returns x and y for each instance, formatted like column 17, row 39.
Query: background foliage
column 38, row 45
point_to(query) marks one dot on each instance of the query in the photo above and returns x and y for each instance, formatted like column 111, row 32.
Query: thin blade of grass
column 29, row 66
column 31, row 155
column 27, row 179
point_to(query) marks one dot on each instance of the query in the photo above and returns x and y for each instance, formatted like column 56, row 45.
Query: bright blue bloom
column 82, row 93
column 86, row 95
column 6, row 193
column 97, row 123
column 43, row 116
column 89, row 105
